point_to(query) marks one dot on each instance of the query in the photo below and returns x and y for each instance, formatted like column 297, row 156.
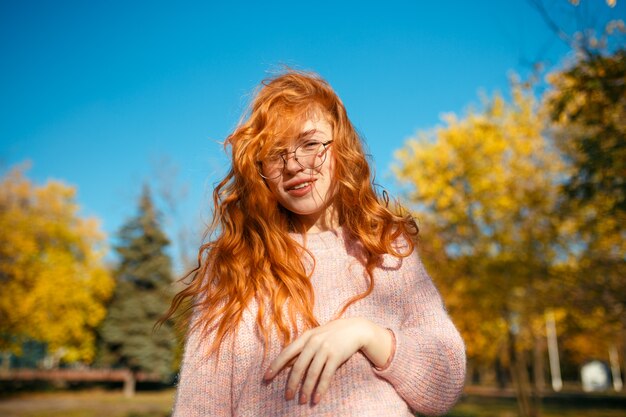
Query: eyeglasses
column 309, row 155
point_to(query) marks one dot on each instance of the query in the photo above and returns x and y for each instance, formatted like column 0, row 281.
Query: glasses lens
column 310, row 154
column 272, row 166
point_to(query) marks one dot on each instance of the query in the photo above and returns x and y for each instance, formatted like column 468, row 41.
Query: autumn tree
column 142, row 294
column 486, row 186
column 53, row 284
column 587, row 107
column 586, row 100
column 584, row 26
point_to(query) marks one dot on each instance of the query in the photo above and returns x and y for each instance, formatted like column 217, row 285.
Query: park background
column 500, row 124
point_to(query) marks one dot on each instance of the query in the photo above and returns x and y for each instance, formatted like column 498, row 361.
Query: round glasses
column 309, row 155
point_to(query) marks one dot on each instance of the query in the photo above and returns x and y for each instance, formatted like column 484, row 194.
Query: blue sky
column 108, row 95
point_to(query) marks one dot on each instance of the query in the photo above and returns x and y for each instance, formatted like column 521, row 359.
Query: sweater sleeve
column 205, row 382
column 428, row 366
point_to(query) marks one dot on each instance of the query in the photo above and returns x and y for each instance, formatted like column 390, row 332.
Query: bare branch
column 552, row 25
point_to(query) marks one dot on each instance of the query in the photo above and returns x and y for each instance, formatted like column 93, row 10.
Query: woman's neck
column 319, row 222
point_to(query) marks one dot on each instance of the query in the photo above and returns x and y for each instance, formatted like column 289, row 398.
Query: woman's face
column 307, row 192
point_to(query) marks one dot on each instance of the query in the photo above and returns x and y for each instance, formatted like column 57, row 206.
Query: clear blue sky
column 104, row 95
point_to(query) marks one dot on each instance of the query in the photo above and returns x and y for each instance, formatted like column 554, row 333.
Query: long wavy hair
column 252, row 255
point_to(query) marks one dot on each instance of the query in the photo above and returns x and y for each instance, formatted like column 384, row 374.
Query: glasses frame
column 285, row 157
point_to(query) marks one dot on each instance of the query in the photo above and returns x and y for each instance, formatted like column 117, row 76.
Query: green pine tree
column 143, row 291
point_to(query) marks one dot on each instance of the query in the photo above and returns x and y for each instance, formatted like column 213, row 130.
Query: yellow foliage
column 53, row 285
column 487, row 169
column 486, row 185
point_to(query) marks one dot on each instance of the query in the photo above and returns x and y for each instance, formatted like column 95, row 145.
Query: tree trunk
column 6, row 360
column 487, row 374
column 523, row 391
column 129, row 384
column 500, row 371
column 469, row 373
column 539, row 364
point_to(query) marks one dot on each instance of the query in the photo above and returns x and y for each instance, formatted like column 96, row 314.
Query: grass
column 502, row 407
column 92, row 403
column 102, row 403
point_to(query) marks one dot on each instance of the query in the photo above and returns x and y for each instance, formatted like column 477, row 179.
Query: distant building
column 595, row 376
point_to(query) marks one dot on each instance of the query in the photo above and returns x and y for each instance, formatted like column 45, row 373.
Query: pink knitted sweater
column 426, row 373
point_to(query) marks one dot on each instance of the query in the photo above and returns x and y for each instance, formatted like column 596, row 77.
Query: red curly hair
column 253, row 256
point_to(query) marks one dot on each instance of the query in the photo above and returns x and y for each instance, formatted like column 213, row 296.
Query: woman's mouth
column 301, row 189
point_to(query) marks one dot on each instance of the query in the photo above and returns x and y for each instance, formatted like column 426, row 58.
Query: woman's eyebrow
column 308, row 133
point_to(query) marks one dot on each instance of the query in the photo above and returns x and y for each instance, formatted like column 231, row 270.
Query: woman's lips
column 301, row 189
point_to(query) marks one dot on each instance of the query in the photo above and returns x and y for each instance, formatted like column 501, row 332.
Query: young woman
column 311, row 299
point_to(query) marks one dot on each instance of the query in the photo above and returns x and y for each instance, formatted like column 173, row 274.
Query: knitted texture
column 425, row 374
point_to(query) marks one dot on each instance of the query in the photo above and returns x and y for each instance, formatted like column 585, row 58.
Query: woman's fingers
column 286, row 357
column 297, row 372
column 317, row 354
column 312, row 376
column 324, row 382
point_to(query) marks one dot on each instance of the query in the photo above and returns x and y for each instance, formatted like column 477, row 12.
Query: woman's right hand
column 318, row 352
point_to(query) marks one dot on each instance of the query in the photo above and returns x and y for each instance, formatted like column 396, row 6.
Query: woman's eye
column 310, row 146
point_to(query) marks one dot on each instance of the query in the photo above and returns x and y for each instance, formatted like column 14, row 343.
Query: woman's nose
column 291, row 163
